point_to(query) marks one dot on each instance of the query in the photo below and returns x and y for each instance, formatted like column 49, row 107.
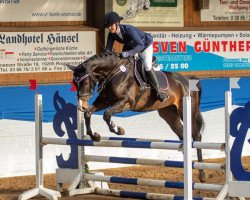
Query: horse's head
column 85, row 83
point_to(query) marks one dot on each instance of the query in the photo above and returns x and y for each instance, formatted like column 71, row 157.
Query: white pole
column 38, row 137
column 49, row 194
column 228, row 141
column 81, row 163
column 187, row 141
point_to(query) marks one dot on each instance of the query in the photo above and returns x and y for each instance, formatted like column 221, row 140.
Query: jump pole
column 187, row 137
column 48, row 193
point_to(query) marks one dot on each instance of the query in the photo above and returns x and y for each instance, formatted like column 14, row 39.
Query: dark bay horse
column 119, row 91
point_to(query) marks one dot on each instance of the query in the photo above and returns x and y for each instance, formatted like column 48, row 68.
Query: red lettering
column 247, row 45
column 182, row 46
column 206, row 46
column 156, row 48
column 224, row 45
column 216, row 46
column 197, row 46
column 173, row 48
column 241, row 46
column 164, row 47
column 232, row 46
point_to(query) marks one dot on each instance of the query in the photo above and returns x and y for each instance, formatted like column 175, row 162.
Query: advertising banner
column 227, row 10
column 202, row 50
column 24, row 52
column 150, row 13
column 42, row 10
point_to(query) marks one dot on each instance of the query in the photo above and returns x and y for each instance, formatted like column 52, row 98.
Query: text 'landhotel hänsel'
column 39, row 38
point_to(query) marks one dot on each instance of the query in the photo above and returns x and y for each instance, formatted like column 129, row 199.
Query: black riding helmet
column 111, row 18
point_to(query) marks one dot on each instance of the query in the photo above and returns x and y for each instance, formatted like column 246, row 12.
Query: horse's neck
column 104, row 67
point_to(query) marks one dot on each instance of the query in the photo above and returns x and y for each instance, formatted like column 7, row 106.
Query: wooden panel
column 44, row 77
column 192, row 17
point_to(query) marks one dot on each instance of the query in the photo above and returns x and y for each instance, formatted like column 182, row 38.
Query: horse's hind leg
column 174, row 117
column 197, row 124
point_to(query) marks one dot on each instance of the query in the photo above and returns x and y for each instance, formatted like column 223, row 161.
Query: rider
column 135, row 41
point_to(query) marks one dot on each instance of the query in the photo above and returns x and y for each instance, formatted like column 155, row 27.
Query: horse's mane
column 101, row 55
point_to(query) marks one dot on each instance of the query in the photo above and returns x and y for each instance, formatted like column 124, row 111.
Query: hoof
column 96, row 137
column 120, row 131
column 202, row 176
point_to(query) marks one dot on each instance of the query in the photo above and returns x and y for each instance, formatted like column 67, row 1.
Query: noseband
column 78, row 80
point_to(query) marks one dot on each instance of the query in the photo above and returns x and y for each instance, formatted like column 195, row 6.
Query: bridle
column 78, row 80
column 92, row 77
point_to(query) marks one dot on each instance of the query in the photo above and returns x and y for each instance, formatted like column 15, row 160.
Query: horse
column 119, row 91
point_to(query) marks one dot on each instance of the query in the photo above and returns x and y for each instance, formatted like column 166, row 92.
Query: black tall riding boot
column 154, row 82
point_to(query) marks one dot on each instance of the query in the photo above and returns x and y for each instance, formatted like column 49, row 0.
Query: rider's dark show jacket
column 134, row 40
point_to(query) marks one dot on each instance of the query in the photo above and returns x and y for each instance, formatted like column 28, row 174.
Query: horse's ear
column 71, row 67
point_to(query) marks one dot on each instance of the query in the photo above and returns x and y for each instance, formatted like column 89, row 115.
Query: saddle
column 139, row 71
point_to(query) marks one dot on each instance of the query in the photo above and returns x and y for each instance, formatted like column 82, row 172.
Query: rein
column 110, row 76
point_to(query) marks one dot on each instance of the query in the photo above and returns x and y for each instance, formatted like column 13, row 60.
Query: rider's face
column 113, row 28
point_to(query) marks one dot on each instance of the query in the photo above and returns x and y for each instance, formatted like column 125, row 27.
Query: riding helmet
column 111, row 18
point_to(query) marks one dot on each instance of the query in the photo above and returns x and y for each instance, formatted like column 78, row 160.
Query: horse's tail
column 200, row 91
column 200, row 122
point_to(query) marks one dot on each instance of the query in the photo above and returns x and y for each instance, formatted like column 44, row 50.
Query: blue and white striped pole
column 155, row 162
column 152, row 182
column 143, row 195
column 195, row 144
column 108, row 143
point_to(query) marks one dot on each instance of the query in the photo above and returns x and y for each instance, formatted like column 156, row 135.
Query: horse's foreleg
column 87, row 116
column 120, row 106
column 98, row 104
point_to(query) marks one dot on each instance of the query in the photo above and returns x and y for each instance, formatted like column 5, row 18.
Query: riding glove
column 125, row 54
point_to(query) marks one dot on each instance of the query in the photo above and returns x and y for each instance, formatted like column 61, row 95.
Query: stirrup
column 162, row 96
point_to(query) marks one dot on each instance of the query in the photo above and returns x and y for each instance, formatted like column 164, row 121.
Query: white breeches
column 146, row 57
